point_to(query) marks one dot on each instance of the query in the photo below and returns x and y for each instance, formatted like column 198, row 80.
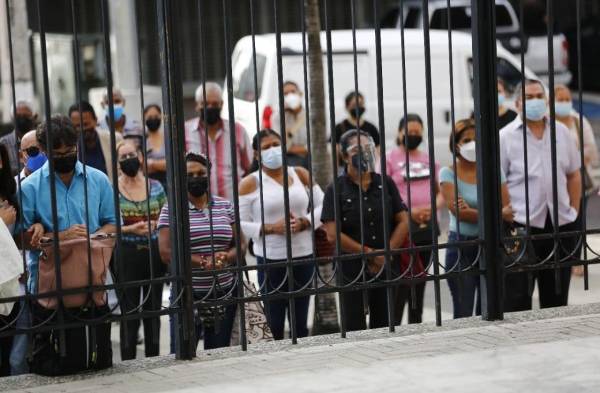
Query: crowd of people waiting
column 349, row 210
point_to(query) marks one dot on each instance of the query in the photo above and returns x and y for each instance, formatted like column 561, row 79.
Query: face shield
column 362, row 157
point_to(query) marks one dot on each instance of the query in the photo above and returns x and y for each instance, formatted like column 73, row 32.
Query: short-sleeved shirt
column 419, row 175
column 373, row 218
column 539, row 178
column 366, row 126
column 133, row 212
column 70, row 204
column 200, row 240
column 219, row 153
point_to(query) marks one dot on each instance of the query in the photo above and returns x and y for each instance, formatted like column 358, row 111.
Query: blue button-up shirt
column 70, row 204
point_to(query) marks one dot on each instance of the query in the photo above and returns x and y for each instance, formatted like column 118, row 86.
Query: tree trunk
column 325, row 320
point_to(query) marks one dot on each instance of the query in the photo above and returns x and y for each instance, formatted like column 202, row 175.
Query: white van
column 343, row 77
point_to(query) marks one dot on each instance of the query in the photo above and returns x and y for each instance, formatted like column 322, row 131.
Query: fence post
column 170, row 68
column 488, row 156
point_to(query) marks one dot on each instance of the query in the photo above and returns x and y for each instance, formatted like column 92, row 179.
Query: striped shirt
column 219, row 153
column 133, row 212
column 200, row 240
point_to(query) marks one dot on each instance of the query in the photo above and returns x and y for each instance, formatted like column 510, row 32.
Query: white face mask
column 292, row 101
column 272, row 158
column 468, row 152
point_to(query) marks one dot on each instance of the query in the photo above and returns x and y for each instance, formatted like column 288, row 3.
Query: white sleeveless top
column 274, row 210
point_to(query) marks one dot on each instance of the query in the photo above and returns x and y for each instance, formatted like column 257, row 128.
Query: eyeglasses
column 32, row 151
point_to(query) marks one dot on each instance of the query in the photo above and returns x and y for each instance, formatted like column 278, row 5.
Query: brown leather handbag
column 75, row 270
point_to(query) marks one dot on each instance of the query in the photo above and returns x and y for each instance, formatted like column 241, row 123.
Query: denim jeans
column 20, row 345
column 214, row 336
column 464, row 287
column 276, row 310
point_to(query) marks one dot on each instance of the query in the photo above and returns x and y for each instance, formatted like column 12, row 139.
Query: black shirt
column 348, row 194
column 506, row 118
column 369, row 128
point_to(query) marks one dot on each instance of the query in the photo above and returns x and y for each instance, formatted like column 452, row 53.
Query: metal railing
column 490, row 264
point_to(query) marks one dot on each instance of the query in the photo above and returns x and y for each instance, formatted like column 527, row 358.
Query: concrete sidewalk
column 554, row 350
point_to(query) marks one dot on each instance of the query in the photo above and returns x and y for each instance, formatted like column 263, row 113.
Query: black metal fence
column 492, row 265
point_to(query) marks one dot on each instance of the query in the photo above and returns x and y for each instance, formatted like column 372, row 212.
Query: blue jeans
column 214, row 337
column 276, row 310
column 20, row 345
column 464, row 287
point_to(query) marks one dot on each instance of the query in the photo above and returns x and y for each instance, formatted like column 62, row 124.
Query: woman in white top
column 273, row 230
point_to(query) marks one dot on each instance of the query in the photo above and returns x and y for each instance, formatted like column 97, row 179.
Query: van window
column 461, row 18
column 243, row 76
column 412, row 18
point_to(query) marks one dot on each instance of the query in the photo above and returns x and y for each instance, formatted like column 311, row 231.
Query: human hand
column 298, row 224
column 421, row 215
column 375, row 264
column 277, row 228
column 139, row 228
column 508, row 213
column 37, row 231
column 8, row 214
column 462, row 205
column 74, row 232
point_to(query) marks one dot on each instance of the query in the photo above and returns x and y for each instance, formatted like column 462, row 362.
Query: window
column 243, row 76
column 503, row 18
column 508, row 72
column 412, row 18
column 460, row 18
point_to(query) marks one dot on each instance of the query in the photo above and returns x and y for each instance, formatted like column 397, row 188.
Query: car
column 508, row 33
column 245, row 98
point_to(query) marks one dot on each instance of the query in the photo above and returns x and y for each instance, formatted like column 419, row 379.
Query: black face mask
column 213, row 115
column 413, row 141
column 153, row 124
column 360, row 111
column 359, row 162
column 130, row 166
column 197, row 186
column 65, row 164
column 23, row 124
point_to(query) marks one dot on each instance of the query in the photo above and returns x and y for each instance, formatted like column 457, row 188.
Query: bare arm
column 349, row 245
column 400, row 231
column 465, row 212
column 574, row 189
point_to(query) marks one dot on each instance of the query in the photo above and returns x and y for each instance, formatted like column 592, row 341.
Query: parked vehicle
column 245, row 96
column 507, row 30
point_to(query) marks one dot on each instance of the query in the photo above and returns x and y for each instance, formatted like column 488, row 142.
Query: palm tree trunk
column 325, row 320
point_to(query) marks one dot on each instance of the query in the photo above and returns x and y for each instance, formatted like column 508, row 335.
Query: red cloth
column 417, row 269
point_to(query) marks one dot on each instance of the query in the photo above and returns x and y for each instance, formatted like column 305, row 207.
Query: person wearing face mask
column 25, row 120
column 155, row 144
column 211, row 135
column 269, row 238
column 416, row 174
column 505, row 114
column 123, row 125
column 30, row 155
column 359, row 158
column 76, row 216
column 535, row 124
column 464, row 219
column 96, row 150
column 139, row 247
column 212, row 242
column 295, row 125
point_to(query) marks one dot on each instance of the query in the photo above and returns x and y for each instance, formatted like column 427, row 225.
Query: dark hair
column 85, row 107
column 265, row 132
column 8, row 187
column 348, row 135
column 460, row 128
column 62, row 132
column 150, row 106
column 519, row 88
column 404, row 124
column 199, row 158
column 353, row 94
column 289, row 82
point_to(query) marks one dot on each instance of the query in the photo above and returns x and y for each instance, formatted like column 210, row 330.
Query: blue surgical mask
column 563, row 108
column 36, row 162
column 501, row 99
column 118, row 110
column 535, row 109
column 272, row 158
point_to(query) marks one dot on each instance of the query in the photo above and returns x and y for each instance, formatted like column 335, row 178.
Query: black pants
column 404, row 296
column 136, row 266
column 354, row 301
column 519, row 286
column 6, row 342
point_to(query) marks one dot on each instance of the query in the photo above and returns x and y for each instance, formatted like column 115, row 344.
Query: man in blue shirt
column 71, row 208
